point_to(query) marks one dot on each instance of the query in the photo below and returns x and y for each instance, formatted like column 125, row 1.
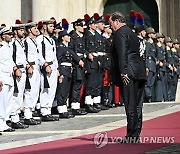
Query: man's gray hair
column 118, row 16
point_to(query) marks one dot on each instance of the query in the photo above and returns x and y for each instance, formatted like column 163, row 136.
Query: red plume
column 132, row 13
column 29, row 21
column 140, row 18
column 40, row 24
column 138, row 15
column 18, row 21
column 86, row 17
column 64, row 21
column 96, row 16
column 107, row 17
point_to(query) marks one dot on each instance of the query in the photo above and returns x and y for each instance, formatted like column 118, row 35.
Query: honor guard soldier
column 150, row 63
column 33, row 73
column 100, row 47
column 92, row 67
column 57, row 29
column 77, row 44
column 107, row 93
column 65, row 56
column 176, row 67
column 169, row 70
column 161, row 82
column 47, row 49
column 19, row 59
column 7, row 68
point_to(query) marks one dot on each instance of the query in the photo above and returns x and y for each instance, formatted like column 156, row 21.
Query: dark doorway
column 148, row 8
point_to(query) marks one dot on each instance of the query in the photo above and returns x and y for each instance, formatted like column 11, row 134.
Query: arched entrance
column 148, row 8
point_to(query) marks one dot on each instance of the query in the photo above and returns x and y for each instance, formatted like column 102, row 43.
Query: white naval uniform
column 47, row 95
column 32, row 95
column 17, row 98
column 6, row 66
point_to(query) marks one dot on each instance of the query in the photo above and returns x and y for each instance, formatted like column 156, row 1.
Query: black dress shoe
column 79, row 112
column 0, row 133
column 48, row 118
column 19, row 125
column 66, row 115
column 91, row 109
column 31, row 122
column 9, row 130
column 36, row 114
column 100, row 106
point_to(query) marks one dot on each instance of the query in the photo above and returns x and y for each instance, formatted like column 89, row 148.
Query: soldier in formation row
column 43, row 66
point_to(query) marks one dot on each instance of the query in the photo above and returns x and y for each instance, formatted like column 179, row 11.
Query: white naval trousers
column 32, row 95
column 5, row 105
column 47, row 95
column 17, row 98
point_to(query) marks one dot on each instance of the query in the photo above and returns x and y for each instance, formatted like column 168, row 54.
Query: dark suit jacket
column 125, row 56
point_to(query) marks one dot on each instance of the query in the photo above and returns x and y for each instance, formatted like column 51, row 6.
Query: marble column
column 44, row 9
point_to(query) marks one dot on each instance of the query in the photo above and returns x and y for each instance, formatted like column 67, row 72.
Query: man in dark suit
column 129, row 74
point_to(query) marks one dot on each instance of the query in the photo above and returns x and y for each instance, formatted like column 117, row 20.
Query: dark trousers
column 62, row 92
column 175, row 82
column 149, row 84
column 91, row 84
column 170, row 86
column 133, row 100
column 161, row 88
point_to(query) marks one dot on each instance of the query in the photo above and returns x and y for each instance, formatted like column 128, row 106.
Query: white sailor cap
column 6, row 30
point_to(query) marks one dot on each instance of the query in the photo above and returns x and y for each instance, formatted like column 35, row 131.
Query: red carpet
column 158, row 129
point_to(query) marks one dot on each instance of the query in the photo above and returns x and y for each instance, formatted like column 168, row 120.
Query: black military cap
column 98, row 19
column 78, row 22
column 58, row 26
column 63, row 33
column 139, row 28
column 88, row 20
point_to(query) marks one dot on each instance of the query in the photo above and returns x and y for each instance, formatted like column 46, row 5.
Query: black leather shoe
column 9, row 130
column 19, row 125
column 66, row 115
column 48, row 118
column 36, row 114
column 79, row 112
column 91, row 109
column 100, row 106
column 31, row 122
column 0, row 133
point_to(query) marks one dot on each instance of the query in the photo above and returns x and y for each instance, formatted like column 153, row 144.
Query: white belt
column 66, row 64
column 101, row 53
column 80, row 54
column 95, row 54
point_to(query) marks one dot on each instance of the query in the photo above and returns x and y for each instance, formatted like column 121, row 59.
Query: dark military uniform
column 92, row 67
column 77, row 44
column 64, row 56
column 151, row 65
column 176, row 59
column 161, row 82
column 169, row 73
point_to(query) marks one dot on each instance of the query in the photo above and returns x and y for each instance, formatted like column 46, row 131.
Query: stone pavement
column 81, row 125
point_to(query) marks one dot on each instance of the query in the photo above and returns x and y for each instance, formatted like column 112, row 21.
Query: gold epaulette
column 150, row 40
column 159, row 44
column 167, row 48
column 173, row 50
